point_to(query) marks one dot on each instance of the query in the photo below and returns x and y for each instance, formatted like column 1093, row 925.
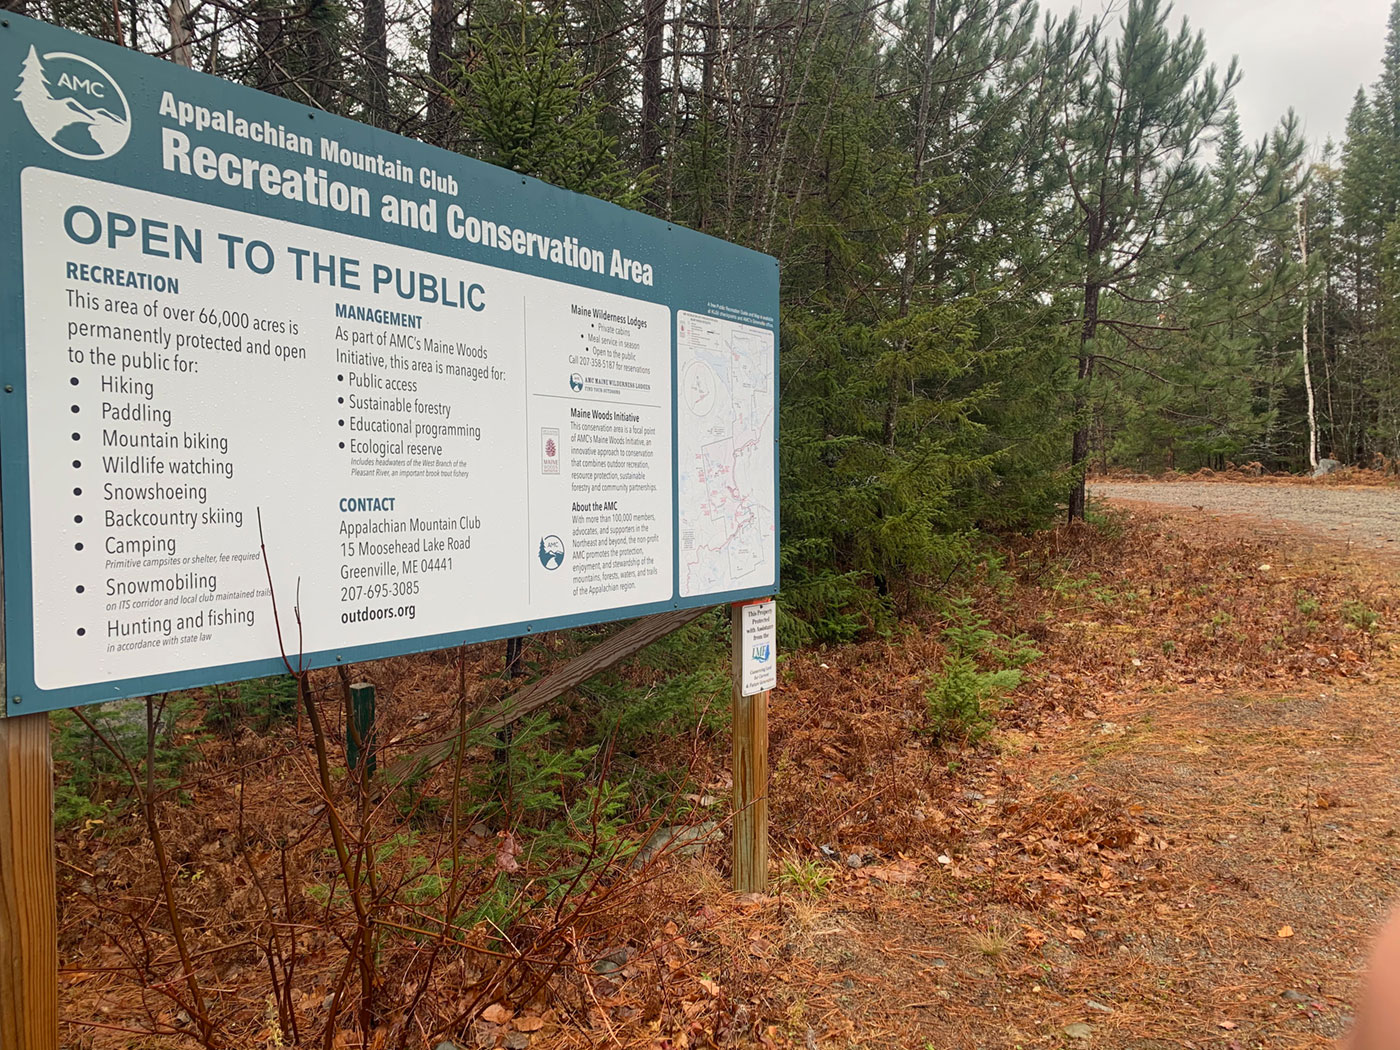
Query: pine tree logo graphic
column 551, row 553
column 74, row 105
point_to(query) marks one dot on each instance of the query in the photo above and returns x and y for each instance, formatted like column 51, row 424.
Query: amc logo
column 74, row 105
column 86, row 85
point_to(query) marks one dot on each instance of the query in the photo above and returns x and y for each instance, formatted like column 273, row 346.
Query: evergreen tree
column 1142, row 107
column 528, row 107
column 902, row 429
column 1201, row 380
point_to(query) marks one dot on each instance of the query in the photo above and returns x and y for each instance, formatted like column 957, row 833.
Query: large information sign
column 464, row 404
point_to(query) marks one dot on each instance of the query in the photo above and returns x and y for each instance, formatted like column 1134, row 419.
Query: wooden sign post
column 750, row 738
column 28, row 901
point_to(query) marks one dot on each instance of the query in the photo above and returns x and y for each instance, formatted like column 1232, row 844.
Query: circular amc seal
column 551, row 552
column 74, row 105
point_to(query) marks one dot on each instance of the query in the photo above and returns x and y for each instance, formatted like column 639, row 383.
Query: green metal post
column 359, row 737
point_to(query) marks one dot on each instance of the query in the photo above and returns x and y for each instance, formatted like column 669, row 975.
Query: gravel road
column 1368, row 517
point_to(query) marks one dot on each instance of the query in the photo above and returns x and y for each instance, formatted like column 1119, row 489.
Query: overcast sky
column 1308, row 54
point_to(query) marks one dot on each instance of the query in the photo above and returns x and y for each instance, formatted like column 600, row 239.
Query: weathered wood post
column 28, row 895
column 752, row 667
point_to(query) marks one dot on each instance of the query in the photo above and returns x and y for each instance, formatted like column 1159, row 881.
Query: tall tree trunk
column 1079, row 450
column 268, row 19
column 710, row 21
column 441, row 33
column 674, row 116
column 375, row 41
column 1326, row 355
column 181, row 33
column 653, row 31
column 707, row 64
column 322, row 57
column 1307, row 367
column 917, row 225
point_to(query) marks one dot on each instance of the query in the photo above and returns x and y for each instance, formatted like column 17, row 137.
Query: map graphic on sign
column 73, row 104
column 725, row 469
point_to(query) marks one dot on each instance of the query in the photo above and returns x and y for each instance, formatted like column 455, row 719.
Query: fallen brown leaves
column 1103, row 870
column 1188, row 772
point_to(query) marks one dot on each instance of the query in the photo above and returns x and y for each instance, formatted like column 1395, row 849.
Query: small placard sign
column 759, row 662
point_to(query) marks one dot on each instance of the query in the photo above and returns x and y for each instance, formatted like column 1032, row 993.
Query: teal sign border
column 693, row 270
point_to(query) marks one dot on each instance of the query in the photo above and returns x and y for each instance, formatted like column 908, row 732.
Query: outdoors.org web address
column 387, row 612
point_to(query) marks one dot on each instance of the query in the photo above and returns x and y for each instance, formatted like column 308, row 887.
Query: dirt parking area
column 1366, row 517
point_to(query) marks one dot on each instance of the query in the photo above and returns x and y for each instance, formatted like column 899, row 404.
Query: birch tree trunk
column 181, row 35
column 1307, row 368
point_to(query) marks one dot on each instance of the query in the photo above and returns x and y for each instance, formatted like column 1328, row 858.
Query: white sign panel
column 402, row 459
column 759, row 658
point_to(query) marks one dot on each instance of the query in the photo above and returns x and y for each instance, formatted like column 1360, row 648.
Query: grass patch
column 804, row 877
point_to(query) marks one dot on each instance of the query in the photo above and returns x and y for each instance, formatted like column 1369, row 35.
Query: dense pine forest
column 1015, row 249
